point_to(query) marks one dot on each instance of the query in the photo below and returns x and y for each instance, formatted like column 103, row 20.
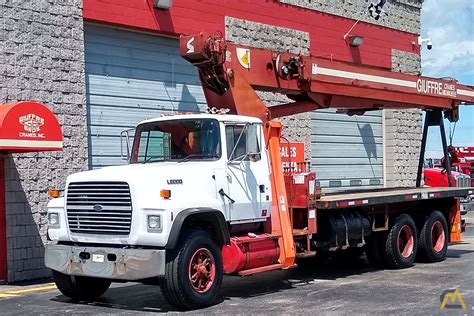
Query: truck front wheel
column 80, row 287
column 193, row 272
column 402, row 243
column 434, row 238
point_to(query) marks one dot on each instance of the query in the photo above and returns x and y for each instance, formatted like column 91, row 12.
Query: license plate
column 98, row 258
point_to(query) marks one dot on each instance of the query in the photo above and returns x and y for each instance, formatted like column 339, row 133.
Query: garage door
column 131, row 77
column 347, row 151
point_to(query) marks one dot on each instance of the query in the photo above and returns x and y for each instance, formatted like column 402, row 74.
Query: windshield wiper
column 152, row 157
column 197, row 155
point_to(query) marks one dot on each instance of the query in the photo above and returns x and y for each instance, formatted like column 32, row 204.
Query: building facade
column 104, row 66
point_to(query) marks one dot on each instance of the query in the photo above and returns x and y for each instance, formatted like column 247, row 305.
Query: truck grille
column 99, row 208
column 463, row 181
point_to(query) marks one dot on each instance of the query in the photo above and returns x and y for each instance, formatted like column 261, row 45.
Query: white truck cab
column 118, row 222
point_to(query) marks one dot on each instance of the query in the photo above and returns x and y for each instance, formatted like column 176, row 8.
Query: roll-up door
column 130, row 77
column 347, row 151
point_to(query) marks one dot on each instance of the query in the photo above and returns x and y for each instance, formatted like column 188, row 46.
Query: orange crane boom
column 227, row 70
column 231, row 73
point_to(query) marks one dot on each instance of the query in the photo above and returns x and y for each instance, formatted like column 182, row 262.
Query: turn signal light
column 166, row 194
column 53, row 193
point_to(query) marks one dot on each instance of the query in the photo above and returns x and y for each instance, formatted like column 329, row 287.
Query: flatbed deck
column 383, row 196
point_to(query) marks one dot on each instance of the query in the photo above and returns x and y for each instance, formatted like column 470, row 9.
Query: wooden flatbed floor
column 394, row 195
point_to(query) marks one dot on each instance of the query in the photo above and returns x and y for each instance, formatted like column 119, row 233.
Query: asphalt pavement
column 336, row 289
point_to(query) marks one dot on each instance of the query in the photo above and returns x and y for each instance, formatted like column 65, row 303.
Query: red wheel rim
column 202, row 270
column 405, row 241
column 437, row 236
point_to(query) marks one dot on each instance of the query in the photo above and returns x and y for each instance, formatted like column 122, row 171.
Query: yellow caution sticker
column 243, row 54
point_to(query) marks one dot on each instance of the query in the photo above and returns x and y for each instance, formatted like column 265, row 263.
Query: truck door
column 248, row 173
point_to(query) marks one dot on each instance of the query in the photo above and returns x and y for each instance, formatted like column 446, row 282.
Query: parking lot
column 345, row 288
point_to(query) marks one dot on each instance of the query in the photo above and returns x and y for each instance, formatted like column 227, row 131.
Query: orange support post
column 281, row 224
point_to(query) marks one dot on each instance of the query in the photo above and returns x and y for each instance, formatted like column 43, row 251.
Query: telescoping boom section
column 231, row 74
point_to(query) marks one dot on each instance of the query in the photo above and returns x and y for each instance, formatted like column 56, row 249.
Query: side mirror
column 254, row 157
column 124, row 136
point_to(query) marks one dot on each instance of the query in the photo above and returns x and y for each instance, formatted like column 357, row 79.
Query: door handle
column 223, row 194
column 262, row 188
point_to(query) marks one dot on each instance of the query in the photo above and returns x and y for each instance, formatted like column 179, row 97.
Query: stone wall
column 42, row 59
column 403, row 131
column 297, row 128
column 266, row 36
column 403, row 15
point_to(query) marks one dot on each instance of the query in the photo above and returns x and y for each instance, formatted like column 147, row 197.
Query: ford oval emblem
column 97, row 207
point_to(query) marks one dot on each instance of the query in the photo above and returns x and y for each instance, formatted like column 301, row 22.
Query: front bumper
column 106, row 262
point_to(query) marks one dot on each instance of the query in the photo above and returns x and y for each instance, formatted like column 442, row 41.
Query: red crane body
column 230, row 73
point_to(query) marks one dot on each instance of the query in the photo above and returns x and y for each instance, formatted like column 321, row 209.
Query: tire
column 402, row 243
column 186, row 261
column 434, row 238
column 80, row 287
column 375, row 249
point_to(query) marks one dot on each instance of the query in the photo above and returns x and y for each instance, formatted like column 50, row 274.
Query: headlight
column 154, row 223
column 53, row 220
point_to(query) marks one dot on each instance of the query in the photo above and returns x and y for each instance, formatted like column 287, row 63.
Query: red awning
column 29, row 126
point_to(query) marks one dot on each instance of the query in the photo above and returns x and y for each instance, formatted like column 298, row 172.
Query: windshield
column 187, row 139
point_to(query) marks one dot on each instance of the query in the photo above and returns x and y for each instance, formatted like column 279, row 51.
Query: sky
column 450, row 25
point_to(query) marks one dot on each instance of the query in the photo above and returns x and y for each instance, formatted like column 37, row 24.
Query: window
column 154, row 143
column 177, row 139
column 242, row 142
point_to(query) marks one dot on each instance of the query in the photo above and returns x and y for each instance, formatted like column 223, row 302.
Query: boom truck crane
column 205, row 194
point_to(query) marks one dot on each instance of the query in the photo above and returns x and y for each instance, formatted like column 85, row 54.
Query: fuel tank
column 250, row 251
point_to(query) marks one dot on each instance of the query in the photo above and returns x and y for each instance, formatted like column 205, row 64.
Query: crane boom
column 229, row 73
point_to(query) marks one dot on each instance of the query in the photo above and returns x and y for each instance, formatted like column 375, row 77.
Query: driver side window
column 242, row 142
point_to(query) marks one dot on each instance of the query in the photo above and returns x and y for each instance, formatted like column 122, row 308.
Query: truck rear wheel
column 402, row 243
column 80, row 287
column 193, row 272
column 434, row 238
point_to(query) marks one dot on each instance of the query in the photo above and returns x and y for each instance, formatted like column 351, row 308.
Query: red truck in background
column 462, row 172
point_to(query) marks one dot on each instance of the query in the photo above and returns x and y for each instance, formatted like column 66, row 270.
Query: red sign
column 292, row 156
column 29, row 126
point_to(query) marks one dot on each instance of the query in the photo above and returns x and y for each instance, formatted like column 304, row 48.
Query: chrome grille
column 99, row 208
column 463, row 181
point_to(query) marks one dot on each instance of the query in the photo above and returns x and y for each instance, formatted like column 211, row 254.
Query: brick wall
column 403, row 129
column 266, row 36
column 42, row 59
